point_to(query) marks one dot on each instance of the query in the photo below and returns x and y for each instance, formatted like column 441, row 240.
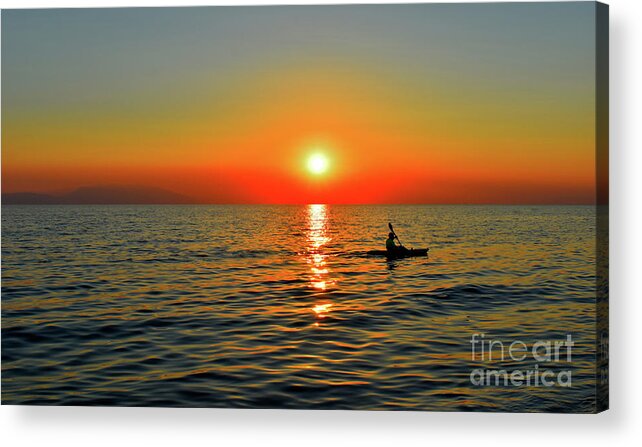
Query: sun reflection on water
column 318, row 238
column 321, row 310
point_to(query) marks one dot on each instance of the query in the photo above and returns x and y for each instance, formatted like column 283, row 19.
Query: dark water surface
column 277, row 306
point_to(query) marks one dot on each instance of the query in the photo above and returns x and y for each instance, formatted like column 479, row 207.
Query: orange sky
column 410, row 112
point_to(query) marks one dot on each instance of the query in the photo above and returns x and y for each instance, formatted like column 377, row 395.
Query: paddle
column 392, row 230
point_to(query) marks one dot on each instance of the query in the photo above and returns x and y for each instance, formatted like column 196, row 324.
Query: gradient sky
column 468, row 103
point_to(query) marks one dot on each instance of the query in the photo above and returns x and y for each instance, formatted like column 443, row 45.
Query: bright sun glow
column 318, row 163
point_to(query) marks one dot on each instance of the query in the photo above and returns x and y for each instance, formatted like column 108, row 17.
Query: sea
column 245, row 306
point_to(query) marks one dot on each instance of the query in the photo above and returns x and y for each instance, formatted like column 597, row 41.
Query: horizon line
column 306, row 204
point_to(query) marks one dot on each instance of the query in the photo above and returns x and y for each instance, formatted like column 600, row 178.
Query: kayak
column 413, row 252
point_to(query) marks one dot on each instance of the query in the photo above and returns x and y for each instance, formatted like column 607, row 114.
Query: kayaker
column 390, row 243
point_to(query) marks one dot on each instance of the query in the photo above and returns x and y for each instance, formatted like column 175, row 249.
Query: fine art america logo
column 545, row 355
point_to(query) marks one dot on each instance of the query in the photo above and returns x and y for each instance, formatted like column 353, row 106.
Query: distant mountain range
column 99, row 195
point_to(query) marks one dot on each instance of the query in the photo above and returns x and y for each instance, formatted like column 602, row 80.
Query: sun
column 318, row 163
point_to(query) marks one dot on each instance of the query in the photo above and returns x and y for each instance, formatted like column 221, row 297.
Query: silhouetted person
column 390, row 243
column 392, row 247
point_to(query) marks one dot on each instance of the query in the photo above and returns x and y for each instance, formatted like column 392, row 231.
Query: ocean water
column 279, row 307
